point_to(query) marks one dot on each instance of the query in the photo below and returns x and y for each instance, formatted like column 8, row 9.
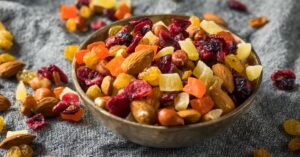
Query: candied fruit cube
column 211, row 27
column 253, row 72
column 123, row 80
column 68, row 12
column 5, row 57
column 233, row 62
column 70, row 51
column 90, row 59
column 93, row 92
column 85, row 12
column 195, row 21
column 2, row 124
column 26, row 75
column 153, row 39
column 189, row 48
column 108, row 4
column 202, row 105
column 195, row 87
column 243, row 51
column 151, row 75
column 170, row 82
column 203, row 73
column 71, row 25
column 165, row 51
column 181, row 102
column 21, row 92
column 79, row 56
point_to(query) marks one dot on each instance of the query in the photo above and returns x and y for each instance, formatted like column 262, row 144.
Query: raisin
column 292, row 127
column 119, row 106
column 89, row 76
column 48, row 73
column 242, row 88
column 109, row 13
column 36, row 121
column 284, row 79
column 137, row 89
column 141, row 26
column 237, row 5
column 134, row 43
column 261, row 152
column 167, row 97
column 165, row 64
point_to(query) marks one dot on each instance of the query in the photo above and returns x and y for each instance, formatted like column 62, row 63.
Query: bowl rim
column 237, row 111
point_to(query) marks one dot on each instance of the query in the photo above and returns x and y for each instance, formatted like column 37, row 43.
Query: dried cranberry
column 134, row 43
column 109, row 13
column 141, row 25
column 71, row 109
column 166, row 40
column 48, row 73
column 80, row 3
column 136, row 22
column 89, row 76
column 165, row 64
column 137, row 89
column 36, row 121
column 123, row 37
column 178, row 26
column 284, row 79
column 71, row 98
column 97, row 24
column 237, row 5
column 119, row 105
column 61, row 106
column 168, row 96
column 242, row 88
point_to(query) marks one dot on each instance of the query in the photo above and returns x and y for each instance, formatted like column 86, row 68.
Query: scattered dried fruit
column 294, row 144
column 237, row 5
column 21, row 92
column 284, row 79
column 292, row 127
column 261, row 152
column 36, row 121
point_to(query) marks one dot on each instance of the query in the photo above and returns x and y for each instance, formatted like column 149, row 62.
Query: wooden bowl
column 159, row 136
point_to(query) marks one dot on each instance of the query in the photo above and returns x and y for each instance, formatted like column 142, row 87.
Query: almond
column 137, row 62
column 225, row 74
column 45, row 106
column 213, row 17
column 107, row 85
column 143, row 112
column 258, row 22
column 4, row 103
column 190, row 115
column 11, row 68
column 16, row 140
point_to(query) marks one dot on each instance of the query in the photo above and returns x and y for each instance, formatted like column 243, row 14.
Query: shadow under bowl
column 159, row 136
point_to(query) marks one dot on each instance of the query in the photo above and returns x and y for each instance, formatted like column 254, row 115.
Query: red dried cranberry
column 237, row 5
column 134, row 43
column 109, row 13
column 123, row 37
column 36, row 121
column 71, row 98
column 166, row 40
column 165, row 64
column 89, row 76
column 137, row 89
column 97, row 24
column 136, row 22
column 284, row 79
column 119, row 105
column 242, row 88
column 48, row 73
column 61, row 106
column 177, row 26
column 71, row 109
column 141, row 25
column 168, row 96
column 80, row 3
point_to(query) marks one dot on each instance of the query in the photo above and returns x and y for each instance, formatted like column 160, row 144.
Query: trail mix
column 187, row 72
column 78, row 17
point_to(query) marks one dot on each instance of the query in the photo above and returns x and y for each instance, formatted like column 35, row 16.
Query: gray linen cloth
column 40, row 38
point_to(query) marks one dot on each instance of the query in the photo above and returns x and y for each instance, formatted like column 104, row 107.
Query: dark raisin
column 89, row 76
column 284, row 79
column 119, row 105
column 237, row 5
column 165, row 64
column 109, row 13
column 242, row 88
column 168, row 96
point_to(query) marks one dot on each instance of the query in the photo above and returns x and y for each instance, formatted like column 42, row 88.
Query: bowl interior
column 101, row 35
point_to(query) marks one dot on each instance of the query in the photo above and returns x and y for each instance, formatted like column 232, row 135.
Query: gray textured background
column 40, row 38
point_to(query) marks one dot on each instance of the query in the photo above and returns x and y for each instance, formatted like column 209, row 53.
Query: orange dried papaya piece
column 72, row 117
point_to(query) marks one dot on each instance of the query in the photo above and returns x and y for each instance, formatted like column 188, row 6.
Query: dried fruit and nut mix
column 186, row 72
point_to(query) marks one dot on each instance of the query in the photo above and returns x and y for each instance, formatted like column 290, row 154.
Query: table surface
column 40, row 38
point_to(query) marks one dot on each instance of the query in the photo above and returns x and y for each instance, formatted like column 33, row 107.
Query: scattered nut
column 16, row 140
column 43, row 92
column 4, row 103
column 225, row 74
column 179, row 58
column 190, row 115
column 143, row 112
column 56, row 77
column 11, row 68
column 45, row 106
column 258, row 21
column 40, row 82
column 213, row 17
column 168, row 117
column 107, row 85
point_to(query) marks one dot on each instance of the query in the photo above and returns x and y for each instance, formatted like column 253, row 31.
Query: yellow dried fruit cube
column 182, row 101
column 165, row 51
column 118, row 50
column 85, row 12
column 153, row 39
column 6, row 57
column 243, row 51
column 93, row 92
column 21, row 92
column 151, row 75
column 70, row 51
column 170, row 82
column 211, row 27
column 90, row 59
column 71, row 25
column 233, row 62
column 253, row 72
column 188, row 47
column 195, row 21
column 203, row 73
column 122, row 80
column 108, row 4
